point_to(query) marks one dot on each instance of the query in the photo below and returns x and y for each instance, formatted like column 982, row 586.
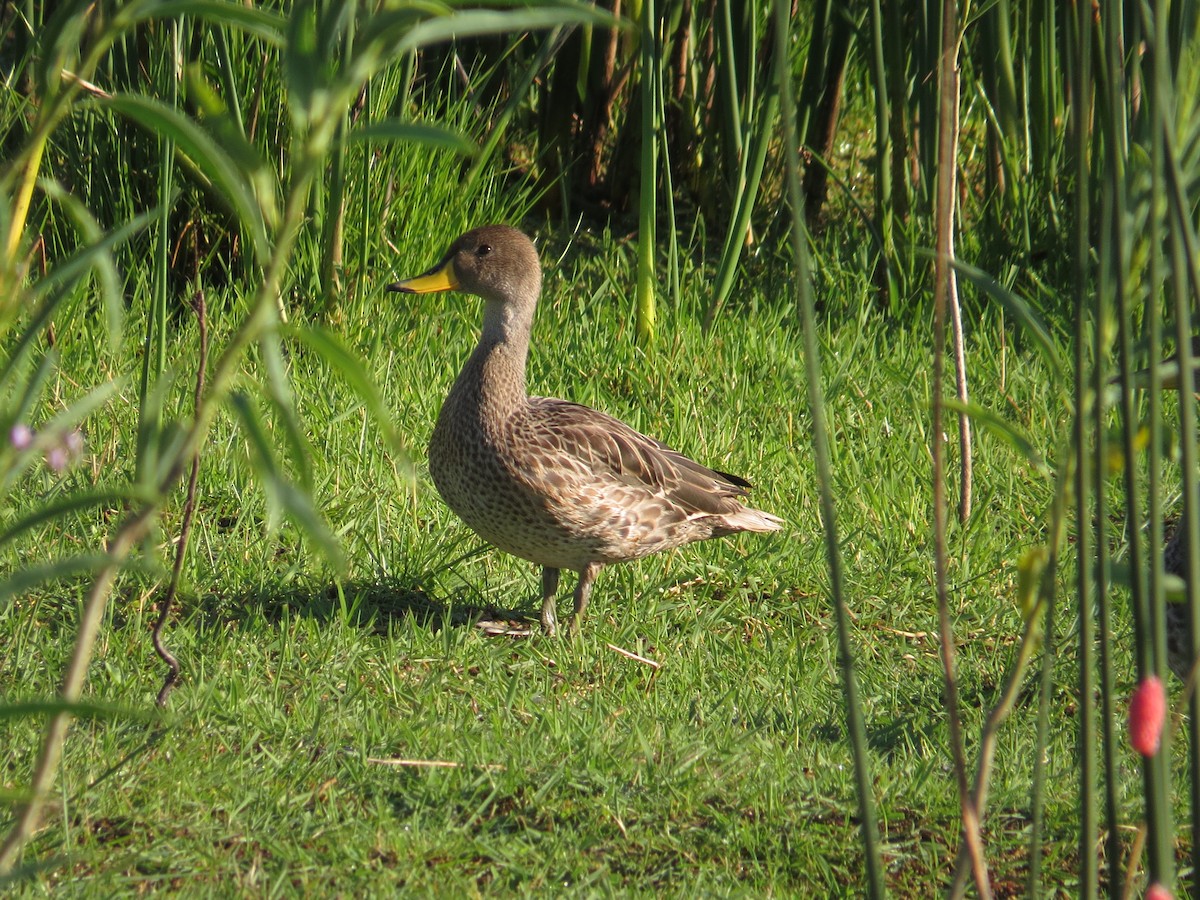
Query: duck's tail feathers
column 747, row 519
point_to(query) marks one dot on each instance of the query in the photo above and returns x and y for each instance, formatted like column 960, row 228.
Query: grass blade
column 24, row 580
column 352, row 371
column 437, row 136
column 290, row 500
column 868, row 827
column 69, row 504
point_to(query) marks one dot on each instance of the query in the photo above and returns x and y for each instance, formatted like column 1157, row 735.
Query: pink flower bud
column 21, row 436
column 1157, row 892
column 1147, row 713
column 56, row 459
column 73, row 441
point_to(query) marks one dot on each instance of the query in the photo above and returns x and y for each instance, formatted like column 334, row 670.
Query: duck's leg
column 583, row 591
column 549, row 589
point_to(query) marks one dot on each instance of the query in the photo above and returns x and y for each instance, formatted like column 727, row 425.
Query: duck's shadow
column 375, row 606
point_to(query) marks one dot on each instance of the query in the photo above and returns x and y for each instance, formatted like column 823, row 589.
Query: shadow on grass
column 903, row 736
column 375, row 606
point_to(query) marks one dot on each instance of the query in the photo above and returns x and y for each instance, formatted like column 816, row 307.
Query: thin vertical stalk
column 334, row 224
column 966, row 456
column 927, row 58
column 226, row 72
column 20, row 209
column 1100, row 462
column 1158, row 105
column 1008, row 112
column 1185, row 283
column 812, row 84
column 816, row 404
column 1086, row 420
column 674, row 283
column 883, row 143
column 1039, row 102
column 747, row 193
column 896, row 69
column 822, row 125
column 1043, row 87
column 727, row 62
column 1190, row 463
column 200, row 307
column 947, row 91
column 647, row 219
column 1152, row 323
column 1115, row 254
column 1045, row 693
column 364, row 196
column 1107, row 170
column 154, row 346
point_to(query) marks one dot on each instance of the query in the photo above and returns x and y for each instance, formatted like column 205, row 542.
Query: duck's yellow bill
column 440, row 278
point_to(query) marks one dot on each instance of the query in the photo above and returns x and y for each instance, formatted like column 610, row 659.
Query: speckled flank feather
column 554, row 482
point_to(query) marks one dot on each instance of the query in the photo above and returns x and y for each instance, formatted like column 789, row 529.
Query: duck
column 553, row 482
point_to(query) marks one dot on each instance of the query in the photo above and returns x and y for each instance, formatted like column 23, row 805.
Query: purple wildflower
column 21, row 436
column 57, row 458
column 74, row 443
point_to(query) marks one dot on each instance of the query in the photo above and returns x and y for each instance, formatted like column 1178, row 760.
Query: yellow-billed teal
column 553, row 482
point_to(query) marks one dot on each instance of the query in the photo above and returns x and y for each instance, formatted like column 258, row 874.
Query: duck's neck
column 494, row 377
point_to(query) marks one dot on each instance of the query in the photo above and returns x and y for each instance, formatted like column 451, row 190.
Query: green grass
column 726, row 771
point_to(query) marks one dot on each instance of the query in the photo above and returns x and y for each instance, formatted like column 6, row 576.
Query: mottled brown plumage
column 550, row 481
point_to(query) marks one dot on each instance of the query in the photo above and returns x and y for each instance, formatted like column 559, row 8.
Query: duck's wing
column 570, row 442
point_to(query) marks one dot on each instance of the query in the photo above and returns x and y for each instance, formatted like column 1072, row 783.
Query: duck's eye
column 483, row 250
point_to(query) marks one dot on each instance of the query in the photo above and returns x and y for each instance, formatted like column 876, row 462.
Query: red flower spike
column 1147, row 713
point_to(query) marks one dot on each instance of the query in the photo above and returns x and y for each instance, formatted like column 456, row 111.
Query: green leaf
column 261, row 450
column 353, row 372
column 437, row 136
column 293, row 502
column 480, row 22
column 70, row 270
column 102, row 262
column 252, row 19
column 80, row 709
column 1029, row 580
column 228, row 179
column 228, row 133
column 24, row 580
column 280, row 392
column 300, row 507
column 301, row 64
column 73, row 503
column 1005, row 430
column 1018, row 308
